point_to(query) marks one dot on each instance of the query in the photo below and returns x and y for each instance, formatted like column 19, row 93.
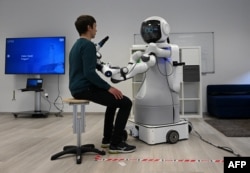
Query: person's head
column 86, row 24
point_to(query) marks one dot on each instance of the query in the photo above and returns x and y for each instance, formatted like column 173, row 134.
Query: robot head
column 155, row 29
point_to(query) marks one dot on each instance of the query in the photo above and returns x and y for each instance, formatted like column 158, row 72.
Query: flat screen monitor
column 35, row 55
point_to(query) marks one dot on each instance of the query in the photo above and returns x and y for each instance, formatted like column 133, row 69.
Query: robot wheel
column 190, row 127
column 172, row 137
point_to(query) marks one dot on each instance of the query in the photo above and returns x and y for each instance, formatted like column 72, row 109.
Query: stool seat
column 78, row 128
column 75, row 101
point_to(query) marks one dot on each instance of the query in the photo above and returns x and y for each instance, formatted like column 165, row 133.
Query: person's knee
column 128, row 102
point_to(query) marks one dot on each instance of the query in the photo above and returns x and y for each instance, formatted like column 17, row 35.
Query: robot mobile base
column 170, row 133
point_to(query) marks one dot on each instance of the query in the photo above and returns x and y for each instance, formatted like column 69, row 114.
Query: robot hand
column 159, row 50
column 105, row 68
column 98, row 47
column 101, row 43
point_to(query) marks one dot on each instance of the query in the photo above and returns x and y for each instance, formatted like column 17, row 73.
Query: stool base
column 78, row 151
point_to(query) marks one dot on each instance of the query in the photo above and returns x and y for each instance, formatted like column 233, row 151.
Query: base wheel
column 172, row 137
column 190, row 127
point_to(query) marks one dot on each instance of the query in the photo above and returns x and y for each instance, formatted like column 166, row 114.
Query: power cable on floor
column 225, row 148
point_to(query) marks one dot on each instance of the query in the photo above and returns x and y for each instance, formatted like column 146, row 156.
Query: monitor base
column 33, row 114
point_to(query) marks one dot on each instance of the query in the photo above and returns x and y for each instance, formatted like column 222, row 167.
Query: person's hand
column 116, row 93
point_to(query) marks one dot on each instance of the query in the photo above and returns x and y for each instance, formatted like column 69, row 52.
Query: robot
column 156, row 106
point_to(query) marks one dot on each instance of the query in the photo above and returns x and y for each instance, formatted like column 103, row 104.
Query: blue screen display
column 35, row 55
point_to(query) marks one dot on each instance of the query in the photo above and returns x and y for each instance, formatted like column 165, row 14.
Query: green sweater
column 82, row 67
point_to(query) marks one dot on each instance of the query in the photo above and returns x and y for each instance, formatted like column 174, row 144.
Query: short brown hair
column 82, row 23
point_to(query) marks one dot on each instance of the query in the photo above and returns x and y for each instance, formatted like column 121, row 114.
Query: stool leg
column 78, row 128
column 74, row 119
column 78, row 125
column 83, row 120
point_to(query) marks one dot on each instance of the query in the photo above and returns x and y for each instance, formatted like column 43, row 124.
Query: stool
column 78, row 128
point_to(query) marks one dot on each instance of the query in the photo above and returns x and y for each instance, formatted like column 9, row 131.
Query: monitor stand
column 37, row 112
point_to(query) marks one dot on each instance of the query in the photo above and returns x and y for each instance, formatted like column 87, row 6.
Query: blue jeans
column 113, row 127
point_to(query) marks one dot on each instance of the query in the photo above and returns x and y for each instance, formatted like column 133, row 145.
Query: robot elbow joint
column 145, row 58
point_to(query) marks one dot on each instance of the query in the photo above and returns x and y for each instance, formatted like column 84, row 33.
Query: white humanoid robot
column 156, row 106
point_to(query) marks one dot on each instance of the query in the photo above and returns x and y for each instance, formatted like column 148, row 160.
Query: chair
column 78, row 128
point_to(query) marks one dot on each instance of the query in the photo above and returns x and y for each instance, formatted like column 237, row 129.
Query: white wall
column 228, row 19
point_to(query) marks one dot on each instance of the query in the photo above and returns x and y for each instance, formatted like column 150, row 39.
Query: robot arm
column 133, row 68
column 118, row 74
column 147, row 59
column 105, row 68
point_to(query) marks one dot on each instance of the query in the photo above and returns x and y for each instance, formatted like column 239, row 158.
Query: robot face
column 155, row 29
column 151, row 31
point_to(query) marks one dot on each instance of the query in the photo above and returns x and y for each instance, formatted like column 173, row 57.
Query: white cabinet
column 191, row 89
column 190, row 93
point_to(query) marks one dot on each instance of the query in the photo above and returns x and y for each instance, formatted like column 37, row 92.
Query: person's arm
column 89, row 67
column 89, row 64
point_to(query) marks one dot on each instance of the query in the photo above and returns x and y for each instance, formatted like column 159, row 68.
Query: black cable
column 172, row 70
column 225, row 148
column 57, row 98
column 47, row 99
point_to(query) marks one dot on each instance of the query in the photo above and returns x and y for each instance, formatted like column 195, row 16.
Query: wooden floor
column 27, row 145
